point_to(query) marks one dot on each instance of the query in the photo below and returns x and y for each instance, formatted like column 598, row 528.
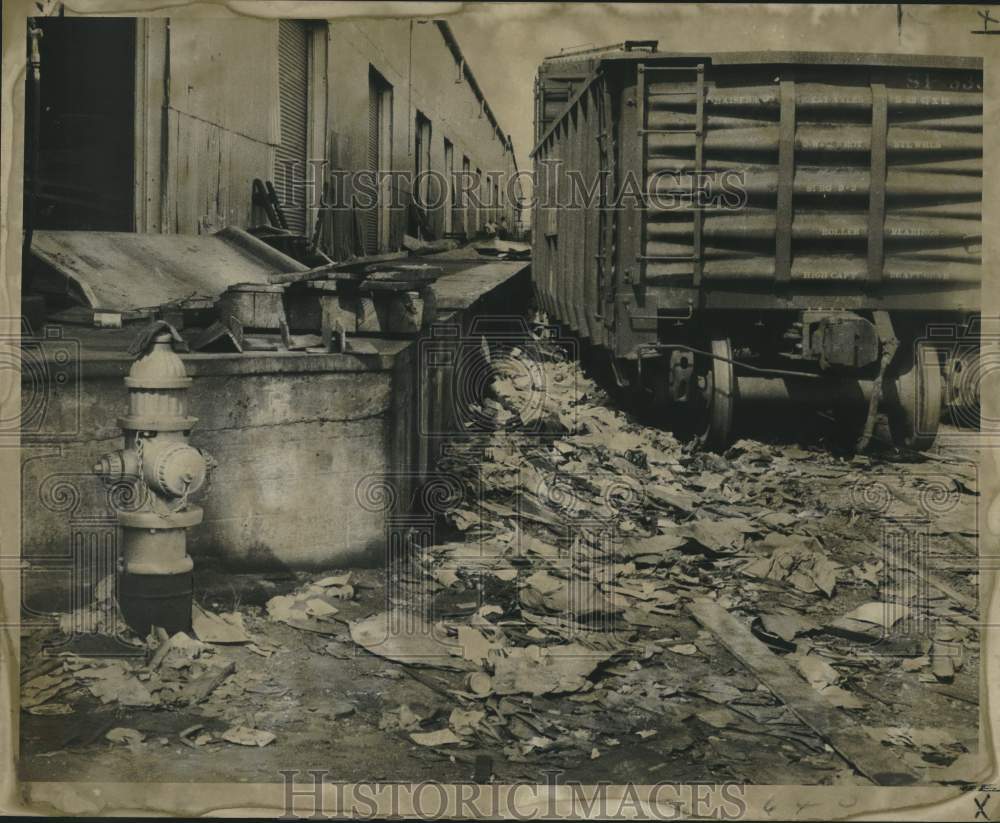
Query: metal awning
column 125, row 271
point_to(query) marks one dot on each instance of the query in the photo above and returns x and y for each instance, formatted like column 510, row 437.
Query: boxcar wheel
column 718, row 397
column 914, row 395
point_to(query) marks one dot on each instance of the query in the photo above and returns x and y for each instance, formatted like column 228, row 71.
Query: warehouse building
column 151, row 141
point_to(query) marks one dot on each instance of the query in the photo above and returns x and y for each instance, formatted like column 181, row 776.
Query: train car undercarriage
column 855, row 365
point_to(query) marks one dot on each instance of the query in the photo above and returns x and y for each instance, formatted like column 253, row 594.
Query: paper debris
column 401, row 717
column 796, row 560
column 320, row 608
column 881, row 614
column 406, row 638
column 443, row 737
column 215, row 628
column 535, row 670
column 245, row 736
column 129, row 737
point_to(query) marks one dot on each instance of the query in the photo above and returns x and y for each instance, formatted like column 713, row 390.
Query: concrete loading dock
column 295, row 435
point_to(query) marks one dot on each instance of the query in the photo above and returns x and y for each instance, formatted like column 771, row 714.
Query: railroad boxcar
column 731, row 230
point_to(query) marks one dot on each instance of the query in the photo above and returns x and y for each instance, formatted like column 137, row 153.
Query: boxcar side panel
column 831, row 184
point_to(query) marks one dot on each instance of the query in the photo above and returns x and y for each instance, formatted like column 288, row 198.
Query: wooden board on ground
column 842, row 732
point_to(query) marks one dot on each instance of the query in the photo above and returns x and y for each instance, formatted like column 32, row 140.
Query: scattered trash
column 535, row 670
column 50, row 709
column 117, row 683
column 942, row 661
column 185, row 736
column 218, row 628
column 129, row 737
column 799, row 561
column 337, row 586
column 479, row 684
column 552, row 640
column 179, row 651
column 466, row 722
column 407, row 638
column 341, row 708
column 307, row 610
column 401, row 717
column 442, row 737
column 319, row 608
column 885, row 615
column 245, row 736
column 780, row 630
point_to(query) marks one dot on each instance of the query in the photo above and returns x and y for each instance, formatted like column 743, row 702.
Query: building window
column 422, row 151
column 467, row 216
column 377, row 218
column 421, row 178
column 478, row 222
column 449, row 187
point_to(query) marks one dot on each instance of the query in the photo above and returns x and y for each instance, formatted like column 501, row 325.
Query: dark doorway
column 86, row 151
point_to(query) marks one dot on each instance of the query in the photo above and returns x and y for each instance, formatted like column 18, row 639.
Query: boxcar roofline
column 819, row 58
column 777, row 58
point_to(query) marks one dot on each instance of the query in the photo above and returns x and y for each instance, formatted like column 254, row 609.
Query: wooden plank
column 463, row 288
column 842, row 732
column 330, row 269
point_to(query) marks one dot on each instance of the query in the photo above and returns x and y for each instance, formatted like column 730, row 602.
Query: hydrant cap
column 159, row 368
column 180, row 468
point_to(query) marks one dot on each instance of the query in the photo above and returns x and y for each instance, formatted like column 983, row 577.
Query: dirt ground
column 857, row 572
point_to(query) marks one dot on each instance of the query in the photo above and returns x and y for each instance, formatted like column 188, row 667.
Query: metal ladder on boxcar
column 696, row 128
column 604, row 258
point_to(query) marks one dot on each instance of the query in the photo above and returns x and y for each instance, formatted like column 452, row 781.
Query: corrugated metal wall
column 293, row 96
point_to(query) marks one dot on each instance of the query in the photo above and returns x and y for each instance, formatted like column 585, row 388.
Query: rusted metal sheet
column 122, row 271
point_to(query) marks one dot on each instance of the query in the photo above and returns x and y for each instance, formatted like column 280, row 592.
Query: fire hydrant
column 160, row 470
